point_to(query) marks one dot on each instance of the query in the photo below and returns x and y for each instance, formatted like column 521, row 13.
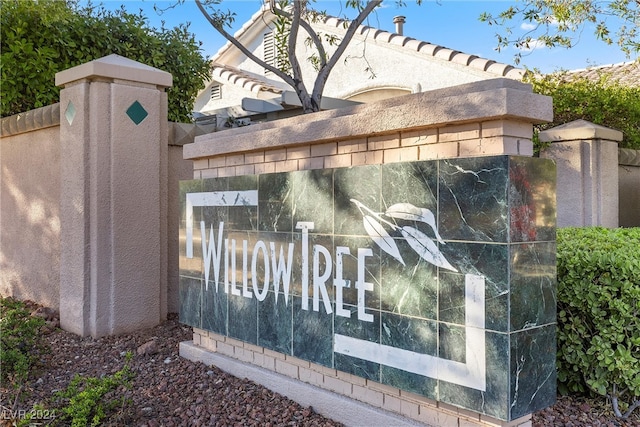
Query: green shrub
column 599, row 314
column 89, row 401
column 40, row 38
column 20, row 346
column 603, row 102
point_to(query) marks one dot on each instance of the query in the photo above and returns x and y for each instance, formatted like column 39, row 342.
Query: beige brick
column 367, row 158
column 465, row 422
column 341, row 160
column 297, row 362
column 209, row 344
column 274, row 354
column 383, row 142
column 197, row 174
column 234, row 160
column 287, row 166
column 275, row 155
column 327, row 149
column 367, row 395
column 216, row 337
column 310, row 376
column 255, row 157
column 234, row 342
column 471, row 415
column 386, row 389
column 197, row 339
column 265, row 168
column 200, row 332
column 244, row 355
column 406, row 154
column 447, row 419
column 298, row 152
column 338, row 385
column 285, row 368
column 245, row 170
column 489, row 146
column 391, row 403
column 410, row 409
column 226, row 349
column 325, row 370
column 352, row 146
column 507, row 128
column 217, row 162
column 265, row 361
column 209, row 173
column 429, row 415
column 311, row 163
column 445, row 150
column 526, row 424
column 201, row 164
column 525, row 147
column 227, row 171
column 420, row 137
column 254, row 348
column 459, row 132
column 407, row 395
column 353, row 379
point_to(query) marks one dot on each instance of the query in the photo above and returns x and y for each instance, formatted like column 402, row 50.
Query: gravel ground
column 172, row 391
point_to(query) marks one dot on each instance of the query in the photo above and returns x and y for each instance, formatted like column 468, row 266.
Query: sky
column 450, row 23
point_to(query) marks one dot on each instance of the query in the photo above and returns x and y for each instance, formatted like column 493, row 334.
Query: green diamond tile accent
column 137, row 113
column 70, row 112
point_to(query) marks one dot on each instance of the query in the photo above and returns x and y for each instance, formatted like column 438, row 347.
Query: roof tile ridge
column 238, row 77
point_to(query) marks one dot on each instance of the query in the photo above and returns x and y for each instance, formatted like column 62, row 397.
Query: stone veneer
column 481, row 119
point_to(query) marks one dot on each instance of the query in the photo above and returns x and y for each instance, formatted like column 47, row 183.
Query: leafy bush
column 88, row 401
column 599, row 314
column 603, row 102
column 20, row 347
column 39, row 39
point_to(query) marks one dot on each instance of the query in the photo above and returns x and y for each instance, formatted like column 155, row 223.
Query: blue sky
column 453, row 24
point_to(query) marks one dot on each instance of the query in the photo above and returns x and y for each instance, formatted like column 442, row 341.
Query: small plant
column 599, row 314
column 88, row 401
column 20, row 346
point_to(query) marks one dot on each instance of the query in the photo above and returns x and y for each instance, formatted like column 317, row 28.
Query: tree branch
column 323, row 75
column 309, row 30
column 218, row 26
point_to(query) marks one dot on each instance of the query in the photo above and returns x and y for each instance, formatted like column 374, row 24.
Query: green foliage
column 603, row 102
column 41, row 38
column 89, row 400
column 599, row 312
column 20, row 347
column 554, row 23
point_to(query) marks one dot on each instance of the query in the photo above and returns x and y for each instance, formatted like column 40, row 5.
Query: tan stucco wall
column 629, row 187
column 30, row 216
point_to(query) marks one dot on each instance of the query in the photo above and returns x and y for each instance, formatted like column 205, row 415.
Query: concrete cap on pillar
column 580, row 130
column 115, row 67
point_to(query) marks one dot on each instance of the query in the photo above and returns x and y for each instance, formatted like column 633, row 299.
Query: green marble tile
column 473, row 203
column 275, row 202
column 215, row 308
column 243, row 318
column 312, row 334
column 361, row 184
column 275, row 323
column 313, row 199
column 190, row 301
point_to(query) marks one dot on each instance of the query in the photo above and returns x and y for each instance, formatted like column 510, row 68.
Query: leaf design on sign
column 410, row 212
column 381, row 238
column 425, row 247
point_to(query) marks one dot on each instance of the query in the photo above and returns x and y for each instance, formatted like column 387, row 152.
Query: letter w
column 210, row 253
column 281, row 269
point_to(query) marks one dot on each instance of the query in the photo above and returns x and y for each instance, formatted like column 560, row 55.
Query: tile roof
column 238, row 77
column 421, row 47
column 626, row 73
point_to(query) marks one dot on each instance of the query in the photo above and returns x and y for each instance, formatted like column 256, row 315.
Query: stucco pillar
column 113, row 133
column 587, row 162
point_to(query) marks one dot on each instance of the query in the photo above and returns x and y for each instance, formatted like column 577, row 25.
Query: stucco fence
column 32, row 180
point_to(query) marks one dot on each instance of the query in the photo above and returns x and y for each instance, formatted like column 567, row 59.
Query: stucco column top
column 580, row 130
column 116, row 67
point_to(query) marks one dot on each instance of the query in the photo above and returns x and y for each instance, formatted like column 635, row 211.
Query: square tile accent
column 436, row 277
column 137, row 113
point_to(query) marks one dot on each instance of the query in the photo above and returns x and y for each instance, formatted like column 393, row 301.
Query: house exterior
column 376, row 65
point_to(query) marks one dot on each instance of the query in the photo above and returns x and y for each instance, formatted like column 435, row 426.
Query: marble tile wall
column 436, row 277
